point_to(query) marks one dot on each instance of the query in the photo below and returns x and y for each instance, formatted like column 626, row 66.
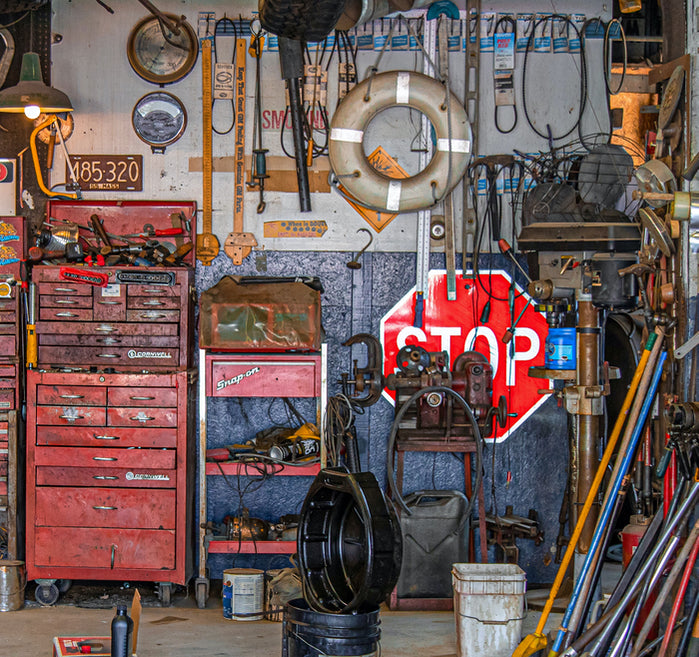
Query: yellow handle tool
column 32, row 346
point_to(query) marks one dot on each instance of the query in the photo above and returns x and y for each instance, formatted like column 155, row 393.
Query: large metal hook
column 355, row 264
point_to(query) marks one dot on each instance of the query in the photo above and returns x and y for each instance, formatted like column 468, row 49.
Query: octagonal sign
column 455, row 327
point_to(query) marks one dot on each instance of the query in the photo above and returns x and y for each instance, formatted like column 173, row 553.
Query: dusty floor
column 182, row 630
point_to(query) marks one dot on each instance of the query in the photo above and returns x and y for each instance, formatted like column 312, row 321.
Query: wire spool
column 400, row 89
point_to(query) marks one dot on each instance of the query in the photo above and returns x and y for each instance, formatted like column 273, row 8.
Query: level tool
column 238, row 244
column 207, row 244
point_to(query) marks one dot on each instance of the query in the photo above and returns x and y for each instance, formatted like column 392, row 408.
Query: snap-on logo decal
column 131, row 476
column 235, row 380
column 148, row 354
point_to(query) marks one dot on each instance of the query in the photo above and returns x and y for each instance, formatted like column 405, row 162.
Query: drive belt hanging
column 503, row 70
column 224, row 73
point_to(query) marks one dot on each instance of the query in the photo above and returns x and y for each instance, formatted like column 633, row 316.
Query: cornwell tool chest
column 110, row 449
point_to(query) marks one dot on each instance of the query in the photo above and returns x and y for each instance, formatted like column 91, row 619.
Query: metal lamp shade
column 31, row 90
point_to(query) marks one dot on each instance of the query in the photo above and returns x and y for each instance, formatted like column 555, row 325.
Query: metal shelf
column 227, row 468
column 223, row 546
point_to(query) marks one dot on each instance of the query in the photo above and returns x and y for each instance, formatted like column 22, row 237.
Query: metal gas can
column 435, row 534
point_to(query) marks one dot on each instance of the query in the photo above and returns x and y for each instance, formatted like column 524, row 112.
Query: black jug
column 122, row 633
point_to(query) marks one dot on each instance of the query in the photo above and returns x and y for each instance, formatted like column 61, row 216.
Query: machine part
column 207, row 246
column 505, row 529
column 683, row 417
column 238, row 243
column 685, row 206
column 245, row 528
column 655, row 177
column 437, row 227
column 64, row 123
column 349, row 542
column 658, row 231
column 580, row 236
column 164, row 593
column 162, row 53
column 393, row 436
column 367, row 379
column 537, row 640
column 414, row 360
column 301, row 20
column 668, row 106
column 159, row 119
column 354, row 263
column 452, row 134
column 603, row 175
column 472, row 378
column 609, row 288
column 291, row 62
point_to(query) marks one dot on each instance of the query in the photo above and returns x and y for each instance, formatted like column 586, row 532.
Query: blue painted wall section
column 354, row 301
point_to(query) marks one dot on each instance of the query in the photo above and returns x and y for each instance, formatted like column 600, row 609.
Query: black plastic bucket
column 308, row 633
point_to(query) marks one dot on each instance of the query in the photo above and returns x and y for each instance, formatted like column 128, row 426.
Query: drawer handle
column 114, row 547
column 71, row 418
column 105, row 508
column 67, row 302
column 106, row 437
column 108, row 356
column 109, row 303
column 152, row 315
column 144, row 398
column 69, row 290
column 72, row 396
column 105, row 458
column 108, row 340
column 141, row 417
column 153, row 302
column 105, row 477
column 105, row 328
column 66, row 314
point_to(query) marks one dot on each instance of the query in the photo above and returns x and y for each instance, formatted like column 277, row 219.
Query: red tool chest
column 110, row 407
column 108, row 480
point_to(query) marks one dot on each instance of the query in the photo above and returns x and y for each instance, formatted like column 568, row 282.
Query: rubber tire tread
column 302, row 20
column 12, row 6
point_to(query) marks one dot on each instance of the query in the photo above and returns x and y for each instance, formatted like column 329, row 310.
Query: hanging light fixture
column 31, row 96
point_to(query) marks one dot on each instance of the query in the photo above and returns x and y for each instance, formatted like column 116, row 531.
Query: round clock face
column 159, row 119
column 159, row 55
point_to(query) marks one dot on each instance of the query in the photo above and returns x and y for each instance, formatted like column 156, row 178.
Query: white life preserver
column 451, row 153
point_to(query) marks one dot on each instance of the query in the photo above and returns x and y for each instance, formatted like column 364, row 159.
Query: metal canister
column 243, row 594
column 13, row 580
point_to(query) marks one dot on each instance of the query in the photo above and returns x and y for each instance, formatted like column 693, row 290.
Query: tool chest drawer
column 110, row 461
column 105, row 507
column 121, row 325
column 104, row 553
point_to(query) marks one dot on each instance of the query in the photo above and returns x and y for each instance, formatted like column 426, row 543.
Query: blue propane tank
column 561, row 349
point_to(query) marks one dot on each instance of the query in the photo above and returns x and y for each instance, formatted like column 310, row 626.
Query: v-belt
column 224, row 74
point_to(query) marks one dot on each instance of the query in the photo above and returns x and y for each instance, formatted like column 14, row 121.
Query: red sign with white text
column 455, row 327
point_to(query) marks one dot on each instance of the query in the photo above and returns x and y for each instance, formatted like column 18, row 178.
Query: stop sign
column 455, row 327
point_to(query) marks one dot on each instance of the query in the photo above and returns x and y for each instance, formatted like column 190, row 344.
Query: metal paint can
column 243, row 594
column 561, row 347
column 13, row 580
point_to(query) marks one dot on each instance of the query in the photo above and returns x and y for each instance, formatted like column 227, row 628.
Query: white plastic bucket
column 243, row 594
column 488, row 608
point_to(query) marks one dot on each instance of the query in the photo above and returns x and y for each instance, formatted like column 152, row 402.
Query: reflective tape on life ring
column 451, row 153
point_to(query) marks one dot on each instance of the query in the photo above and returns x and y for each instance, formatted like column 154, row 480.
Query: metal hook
column 355, row 264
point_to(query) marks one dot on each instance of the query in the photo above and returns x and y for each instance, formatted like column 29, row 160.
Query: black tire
column 301, row 20
column 46, row 595
column 12, row 6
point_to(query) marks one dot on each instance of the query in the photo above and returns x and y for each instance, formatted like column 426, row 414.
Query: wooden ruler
column 238, row 244
column 207, row 244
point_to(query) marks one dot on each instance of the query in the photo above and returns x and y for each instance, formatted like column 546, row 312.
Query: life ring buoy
column 451, row 153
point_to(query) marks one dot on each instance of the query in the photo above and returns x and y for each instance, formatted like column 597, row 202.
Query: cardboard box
column 69, row 646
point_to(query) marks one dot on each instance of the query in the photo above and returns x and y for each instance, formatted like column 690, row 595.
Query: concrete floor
column 182, row 630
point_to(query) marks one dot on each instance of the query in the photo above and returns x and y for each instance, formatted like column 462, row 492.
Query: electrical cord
column 392, row 485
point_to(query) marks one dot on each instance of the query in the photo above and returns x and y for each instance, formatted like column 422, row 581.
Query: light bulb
column 32, row 111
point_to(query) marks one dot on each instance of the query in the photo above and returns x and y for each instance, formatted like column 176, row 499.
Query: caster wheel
column 64, row 585
column 202, row 593
column 165, row 593
column 46, row 594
